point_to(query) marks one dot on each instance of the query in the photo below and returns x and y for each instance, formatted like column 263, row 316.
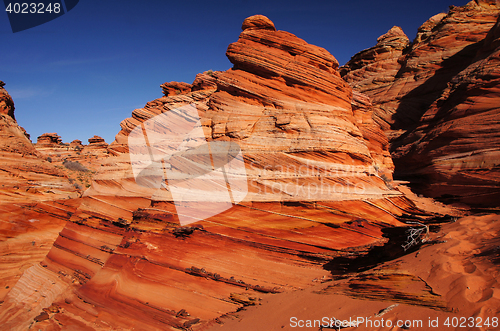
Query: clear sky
column 84, row 72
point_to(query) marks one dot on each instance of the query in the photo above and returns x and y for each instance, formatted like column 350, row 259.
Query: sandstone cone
column 257, row 22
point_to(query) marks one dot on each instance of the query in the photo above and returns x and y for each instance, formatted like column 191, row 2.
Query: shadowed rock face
column 436, row 99
column 318, row 173
column 457, row 142
column 403, row 80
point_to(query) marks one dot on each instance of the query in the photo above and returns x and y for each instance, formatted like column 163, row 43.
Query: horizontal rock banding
column 319, row 186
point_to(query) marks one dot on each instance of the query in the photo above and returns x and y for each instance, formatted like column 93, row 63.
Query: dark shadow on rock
column 391, row 250
column 414, row 104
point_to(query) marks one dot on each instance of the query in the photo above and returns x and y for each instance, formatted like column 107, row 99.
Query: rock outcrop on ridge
column 49, row 140
column 96, row 144
column 76, row 144
column 6, row 102
column 74, row 160
column 437, row 98
column 50, row 145
column 319, row 187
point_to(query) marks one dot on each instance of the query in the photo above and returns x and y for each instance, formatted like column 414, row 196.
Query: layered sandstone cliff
column 457, row 142
column 318, row 178
column 34, row 197
column 27, row 177
column 404, row 79
column 436, row 100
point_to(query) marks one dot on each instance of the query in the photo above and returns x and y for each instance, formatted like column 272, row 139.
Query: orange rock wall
column 436, row 100
column 319, row 176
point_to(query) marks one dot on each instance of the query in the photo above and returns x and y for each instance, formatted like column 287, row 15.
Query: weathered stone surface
column 49, row 140
column 258, row 22
column 377, row 65
column 373, row 71
column 76, row 143
column 402, row 82
column 6, row 103
column 205, row 81
column 281, row 56
column 457, row 142
column 436, row 99
column 96, row 145
column 34, row 203
column 320, row 189
column 319, row 186
column 174, row 88
column 95, row 140
column 376, row 140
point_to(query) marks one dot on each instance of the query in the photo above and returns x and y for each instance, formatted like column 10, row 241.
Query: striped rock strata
column 34, row 203
column 436, row 98
column 318, row 177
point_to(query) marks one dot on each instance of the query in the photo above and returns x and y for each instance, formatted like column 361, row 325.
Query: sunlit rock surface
column 34, row 203
column 319, row 183
column 49, row 140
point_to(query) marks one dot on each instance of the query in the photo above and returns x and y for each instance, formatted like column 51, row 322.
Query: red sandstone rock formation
column 174, row 88
column 124, row 262
column 318, row 172
column 96, row 144
column 6, row 103
column 436, row 100
column 76, row 143
column 49, row 140
column 373, row 70
column 403, row 80
column 457, row 142
column 205, row 81
column 33, row 201
column 96, row 140
column 77, row 162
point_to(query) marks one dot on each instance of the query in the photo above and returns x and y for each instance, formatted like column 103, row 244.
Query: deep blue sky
column 83, row 73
